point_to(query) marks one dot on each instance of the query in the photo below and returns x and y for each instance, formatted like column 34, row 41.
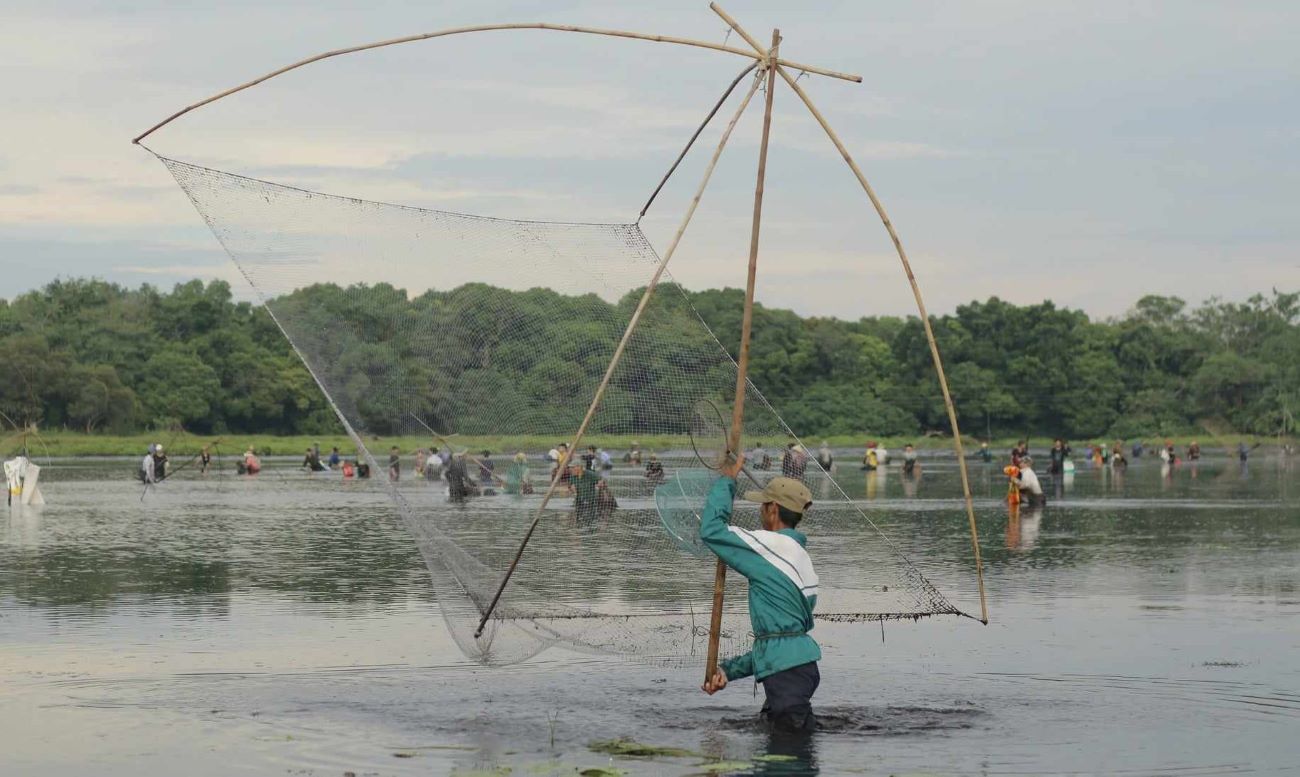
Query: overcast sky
column 1084, row 152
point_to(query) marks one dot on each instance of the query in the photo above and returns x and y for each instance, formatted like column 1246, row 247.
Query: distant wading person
column 584, row 484
column 1031, row 491
column 458, row 486
column 159, row 462
column 147, row 474
column 250, row 464
column 517, row 480
column 909, row 459
column 782, row 595
column 825, row 458
column 1057, row 457
column 654, row 470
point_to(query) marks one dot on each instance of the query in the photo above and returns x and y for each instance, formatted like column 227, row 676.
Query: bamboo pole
column 925, row 323
column 618, row 351
column 742, row 356
column 488, row 28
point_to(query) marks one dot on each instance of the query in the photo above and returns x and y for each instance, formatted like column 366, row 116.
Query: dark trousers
column 789, row 698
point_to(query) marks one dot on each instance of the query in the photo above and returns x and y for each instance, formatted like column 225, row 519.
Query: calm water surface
column 1143, row 623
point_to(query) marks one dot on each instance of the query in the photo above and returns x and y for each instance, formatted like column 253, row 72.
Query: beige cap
column 787, row 492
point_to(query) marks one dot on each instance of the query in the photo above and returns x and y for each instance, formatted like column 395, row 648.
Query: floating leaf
column 628, row 747
column 720, row 767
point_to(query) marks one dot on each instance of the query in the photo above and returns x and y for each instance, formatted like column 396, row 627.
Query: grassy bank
column 79, row 444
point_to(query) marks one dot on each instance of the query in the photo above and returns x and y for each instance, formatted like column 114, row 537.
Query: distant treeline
column 91, row 355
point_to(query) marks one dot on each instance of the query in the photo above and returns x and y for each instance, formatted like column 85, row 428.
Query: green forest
column 97, row 357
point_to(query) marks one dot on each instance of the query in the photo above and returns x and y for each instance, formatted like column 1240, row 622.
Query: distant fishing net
column 499, row 330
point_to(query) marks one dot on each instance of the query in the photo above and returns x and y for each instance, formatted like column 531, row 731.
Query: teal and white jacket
column 782, row 587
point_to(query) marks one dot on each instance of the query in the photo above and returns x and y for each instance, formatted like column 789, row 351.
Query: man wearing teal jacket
column 782, row 594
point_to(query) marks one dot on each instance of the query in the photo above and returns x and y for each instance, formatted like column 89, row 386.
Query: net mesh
column 498, row 331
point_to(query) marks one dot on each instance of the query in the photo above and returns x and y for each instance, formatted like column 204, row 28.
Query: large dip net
column 444, row 325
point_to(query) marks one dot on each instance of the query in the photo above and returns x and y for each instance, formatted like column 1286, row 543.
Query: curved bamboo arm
column 925, row 323
column 487, row 28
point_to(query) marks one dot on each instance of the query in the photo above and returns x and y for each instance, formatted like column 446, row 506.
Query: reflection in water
column 911, row 482
column 288, row 624
column 1023, row 522
column 789, row 754
column 23, row 528
column 875, row 482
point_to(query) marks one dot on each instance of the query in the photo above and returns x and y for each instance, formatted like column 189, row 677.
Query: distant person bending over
column 654, row 470
column 311, row 461
column 251, row 465
column 825, row 459
column 795, row 462
column 870, row 459
column 782, row 595
column 1031, row 491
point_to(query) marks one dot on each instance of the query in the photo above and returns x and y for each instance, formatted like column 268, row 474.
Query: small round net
column 498, row 332
column 678, row 503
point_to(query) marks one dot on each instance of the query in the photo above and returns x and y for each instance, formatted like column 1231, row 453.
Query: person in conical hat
column 782, row 595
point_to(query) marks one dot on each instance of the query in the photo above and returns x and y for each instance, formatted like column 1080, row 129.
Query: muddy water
column 1142, row 623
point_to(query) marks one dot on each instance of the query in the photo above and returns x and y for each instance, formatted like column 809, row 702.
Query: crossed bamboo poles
column 769, row 64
